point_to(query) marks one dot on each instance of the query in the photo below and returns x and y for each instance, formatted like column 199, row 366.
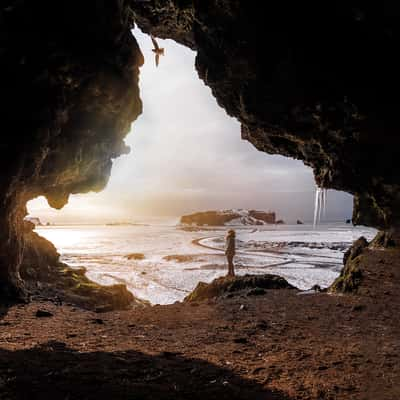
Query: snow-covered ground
column 301, row 254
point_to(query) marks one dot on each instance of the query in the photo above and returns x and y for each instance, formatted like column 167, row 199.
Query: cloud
column 187, row 154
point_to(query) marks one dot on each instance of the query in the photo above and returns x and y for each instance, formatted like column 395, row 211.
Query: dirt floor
column 280, row 345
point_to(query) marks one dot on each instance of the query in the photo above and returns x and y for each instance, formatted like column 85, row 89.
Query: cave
column 309, row 90
column 317, row 82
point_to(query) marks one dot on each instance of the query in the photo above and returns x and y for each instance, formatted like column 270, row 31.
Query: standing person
column 230, row 251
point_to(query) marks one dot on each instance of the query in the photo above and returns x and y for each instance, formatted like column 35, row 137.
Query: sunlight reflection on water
column 300, row 254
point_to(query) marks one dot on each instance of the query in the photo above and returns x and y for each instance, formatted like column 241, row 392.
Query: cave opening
column 186, row 156
column 314, row 81
column 92, row 86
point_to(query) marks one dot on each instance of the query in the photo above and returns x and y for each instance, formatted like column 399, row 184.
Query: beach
column 176, row 258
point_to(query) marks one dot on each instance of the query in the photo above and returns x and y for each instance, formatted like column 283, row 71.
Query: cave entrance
column 187, row 156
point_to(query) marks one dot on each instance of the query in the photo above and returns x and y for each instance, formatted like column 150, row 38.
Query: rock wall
column 69, row 90
column 316, row 81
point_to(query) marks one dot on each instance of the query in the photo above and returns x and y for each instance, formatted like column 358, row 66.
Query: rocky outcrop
column 211, row 218
column 229, row 217
column 302, row 87
column 350, row 277
column 228, row 286
column 355, row 250
column 267, row 217
column 46, row 277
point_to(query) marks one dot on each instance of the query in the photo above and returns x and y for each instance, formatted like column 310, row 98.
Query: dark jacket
column 230, row 245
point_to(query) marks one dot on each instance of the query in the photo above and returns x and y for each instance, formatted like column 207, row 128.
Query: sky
column 187, row 155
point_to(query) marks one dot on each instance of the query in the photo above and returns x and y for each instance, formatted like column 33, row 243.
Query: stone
column 135, row 256
column 225, row 286
column 355, row 250
column 350, row 277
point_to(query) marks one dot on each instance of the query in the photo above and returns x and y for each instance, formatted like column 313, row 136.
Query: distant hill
column 229, row 217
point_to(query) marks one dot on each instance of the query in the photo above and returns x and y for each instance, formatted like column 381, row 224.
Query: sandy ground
column 280, row 345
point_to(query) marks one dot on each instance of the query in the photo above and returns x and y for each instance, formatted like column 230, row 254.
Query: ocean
column 176, row 259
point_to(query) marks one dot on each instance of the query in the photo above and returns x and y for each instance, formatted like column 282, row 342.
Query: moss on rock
column 350, row 277
column 46, row 276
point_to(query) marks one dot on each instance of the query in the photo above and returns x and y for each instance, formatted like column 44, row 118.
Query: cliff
column 229, row 217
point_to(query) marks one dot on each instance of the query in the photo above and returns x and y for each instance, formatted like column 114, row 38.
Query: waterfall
column 320, row 205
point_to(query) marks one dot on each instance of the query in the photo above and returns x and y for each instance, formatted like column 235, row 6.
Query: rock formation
column 351, row 275
column 229, row 286
column 315, row 81
column 267, row 217
column 229, row 217
column 45, row 276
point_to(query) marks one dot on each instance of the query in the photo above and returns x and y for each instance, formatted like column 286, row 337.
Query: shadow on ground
column 54, row 371
column 4, row 310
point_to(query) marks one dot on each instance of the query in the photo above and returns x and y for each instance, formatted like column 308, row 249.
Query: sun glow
column 187, row 155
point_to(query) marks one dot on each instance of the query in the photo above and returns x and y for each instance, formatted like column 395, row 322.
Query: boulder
column 226, row 286
column 355, row 250
column 350, row 277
